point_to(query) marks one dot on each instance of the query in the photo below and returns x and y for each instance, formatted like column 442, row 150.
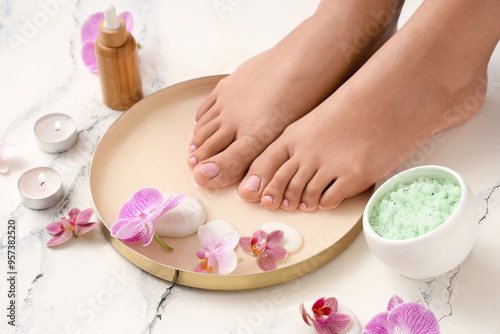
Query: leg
column 251, row 108
column 428, row 77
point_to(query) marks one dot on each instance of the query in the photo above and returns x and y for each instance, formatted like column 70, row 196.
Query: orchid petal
column 394, row 301
column 338, row 322
column 276, row 252
column 413, row 318
column 265, row 262
column 246, row 245
column 88, row 56
column 6, row 150
column 259, row 234
column 208, row 237
column 60, row 238
column 133, row 228
column 84, row 228
column 84, row 216
column 276, row 237
column 332, row 303
column 229, row 240
column 144, row 201
column 73, row 212
column 378, row 325
column 320, row 303
column 90, row 28
column 149, row 234
column 202, row 268
column 305, row 316
column 66, row 224
column 53, row 228
column 226, row 261
column 118, row 225
column 129, row 21
column 322, row 329
column 169, row 204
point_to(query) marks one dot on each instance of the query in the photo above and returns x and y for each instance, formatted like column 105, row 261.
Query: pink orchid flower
column 217, row 253
column 266, row 247
column 326, row 319
column 75, row 223
column 90, row 32
column 137, row 217
column 6, row 151
column 410, row 318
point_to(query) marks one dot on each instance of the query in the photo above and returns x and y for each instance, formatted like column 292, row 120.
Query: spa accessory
column 292, row 239
column 40, row 188
column 435, row 252
column 183, row 220
column 55, row 133
column 117, row 63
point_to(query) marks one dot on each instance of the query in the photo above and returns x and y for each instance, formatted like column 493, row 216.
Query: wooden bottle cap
column 113, row 38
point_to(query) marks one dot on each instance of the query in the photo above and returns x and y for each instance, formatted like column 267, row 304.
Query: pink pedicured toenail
column 285, row 203
column 193, row 161
column 192, row 148
column 252, row 183
column 209, row 170
column 303, row 205
column 268, row 199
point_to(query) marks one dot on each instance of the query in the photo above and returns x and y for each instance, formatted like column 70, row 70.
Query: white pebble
column 293, row 238
column 221, row 227
column 183, row 220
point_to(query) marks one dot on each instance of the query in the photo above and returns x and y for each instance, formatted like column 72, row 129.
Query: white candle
column 40, row 188
column 55, row 133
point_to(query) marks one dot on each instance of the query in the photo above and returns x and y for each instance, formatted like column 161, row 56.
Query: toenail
column 192, row 148
column 269, row 199
column 303, row 205
column 193, row 161
column 285, row 203
column 252, row 183
column 209, row 170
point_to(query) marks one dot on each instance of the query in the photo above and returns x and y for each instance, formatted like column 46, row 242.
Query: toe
column 272, row 196
column 315, row 188
column 263, row 169
column 342, row 188
column 295, row 188
column 205, row 132
column 205, row 106
column 215, row 144
column 226, row 167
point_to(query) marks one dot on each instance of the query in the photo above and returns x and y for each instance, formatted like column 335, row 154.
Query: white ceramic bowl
column 435, row 252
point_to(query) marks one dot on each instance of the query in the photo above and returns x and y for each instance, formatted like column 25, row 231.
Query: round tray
column 147, row 147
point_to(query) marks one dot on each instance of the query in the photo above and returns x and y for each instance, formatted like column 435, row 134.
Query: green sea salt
column 412, row 210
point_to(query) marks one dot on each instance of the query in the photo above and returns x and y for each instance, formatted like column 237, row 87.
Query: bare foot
column 249, row 109
column 423, row 80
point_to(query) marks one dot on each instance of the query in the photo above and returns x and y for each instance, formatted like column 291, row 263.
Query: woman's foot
column 249, row 109
column 424, row 79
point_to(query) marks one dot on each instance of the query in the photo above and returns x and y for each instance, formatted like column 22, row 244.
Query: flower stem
column 163, row 244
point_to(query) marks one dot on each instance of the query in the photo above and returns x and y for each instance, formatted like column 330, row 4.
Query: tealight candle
column 40, row 188
column 55, row 133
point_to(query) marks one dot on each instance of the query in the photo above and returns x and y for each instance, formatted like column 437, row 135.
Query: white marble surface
column 85, row 286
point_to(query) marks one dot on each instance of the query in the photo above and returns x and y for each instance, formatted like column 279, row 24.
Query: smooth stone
column 292, row 240
column 183, row 220
column 221, row 227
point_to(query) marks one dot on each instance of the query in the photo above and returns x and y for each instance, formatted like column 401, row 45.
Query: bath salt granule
column 412, row 210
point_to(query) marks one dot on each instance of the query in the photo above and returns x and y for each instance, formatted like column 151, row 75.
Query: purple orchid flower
column 410, row 318
column 326, row 319
column 137, row 217
column 6, row 151
column 266, row 247
column 75, row 223
column 217, row 251
column 90, row 32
